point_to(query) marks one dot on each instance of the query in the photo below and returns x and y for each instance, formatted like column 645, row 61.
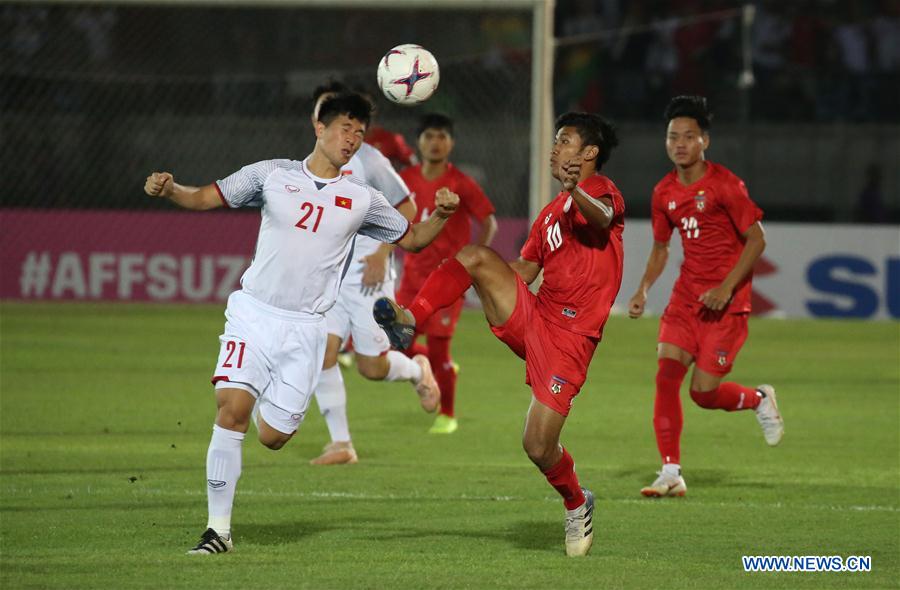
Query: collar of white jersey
column 305, row 169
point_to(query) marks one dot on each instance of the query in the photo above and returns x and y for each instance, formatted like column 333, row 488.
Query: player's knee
column 472, row 256
column 228, row 418
column 274, row 440
column 540, row 452
column 704, row 399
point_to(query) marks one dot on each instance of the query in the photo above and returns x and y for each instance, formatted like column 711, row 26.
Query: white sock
column 672, row 469
column 332, row 399
column 402, row 368
column 223, row 470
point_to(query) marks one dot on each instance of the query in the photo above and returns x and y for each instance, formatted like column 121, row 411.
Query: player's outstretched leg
column 707, row 392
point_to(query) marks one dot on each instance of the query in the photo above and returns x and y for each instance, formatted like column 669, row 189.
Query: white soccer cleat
column 211, row 543
column 667, row 484
column 427, row 387
column 768, row 416
column 580, row 527
column 337, row 453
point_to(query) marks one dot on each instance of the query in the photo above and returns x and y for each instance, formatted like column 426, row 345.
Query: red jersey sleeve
column 662, row 226
column 474, row 199
column 740, row 208
column 531, row 251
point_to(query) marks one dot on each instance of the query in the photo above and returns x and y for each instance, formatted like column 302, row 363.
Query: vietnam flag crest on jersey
column 343, row 202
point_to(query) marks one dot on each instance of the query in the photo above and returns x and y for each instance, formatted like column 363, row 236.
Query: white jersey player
column 369, row 276
column 274, row 340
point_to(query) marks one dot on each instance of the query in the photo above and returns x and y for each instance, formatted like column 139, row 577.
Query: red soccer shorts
column 442, row 324
column 712, row 338
column 556, row 360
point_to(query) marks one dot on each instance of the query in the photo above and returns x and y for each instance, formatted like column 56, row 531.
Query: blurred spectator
column 855, row 46
column 870, row 203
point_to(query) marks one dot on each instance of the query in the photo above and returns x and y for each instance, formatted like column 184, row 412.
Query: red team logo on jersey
column 343, row 202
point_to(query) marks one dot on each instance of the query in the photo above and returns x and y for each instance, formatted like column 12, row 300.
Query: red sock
column 562, row 477
column 667, row 416
column 415, row 349
column 442, row 287
column 439, row 356
column 730, row 397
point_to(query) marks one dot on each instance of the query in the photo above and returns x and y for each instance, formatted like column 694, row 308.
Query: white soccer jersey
column 373, row 169
column 307, row 230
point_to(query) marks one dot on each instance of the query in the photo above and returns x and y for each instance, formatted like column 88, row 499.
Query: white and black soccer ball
column 408, row 74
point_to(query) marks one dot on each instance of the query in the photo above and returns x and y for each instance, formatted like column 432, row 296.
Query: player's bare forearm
column 526, row 269
column 422, row 234
column 488, row 230
column 598, row 212
column 753, row 249
column 656, row 264
column 162, row 184
column 196, row 198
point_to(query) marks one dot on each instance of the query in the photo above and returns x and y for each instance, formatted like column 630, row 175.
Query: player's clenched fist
column 446, row 202
column 571, row 173
column 160, row 184
column 636, row 305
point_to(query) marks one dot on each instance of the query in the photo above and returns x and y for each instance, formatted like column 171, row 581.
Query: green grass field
column 106, row 416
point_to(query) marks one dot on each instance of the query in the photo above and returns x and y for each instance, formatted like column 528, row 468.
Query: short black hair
column 694, row 107
column 331, row 86
column 435, row 121
column 354, row 105
column 594, row 130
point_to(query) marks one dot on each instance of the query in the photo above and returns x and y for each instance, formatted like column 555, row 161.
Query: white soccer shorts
column 274, row 354
column 352, row 316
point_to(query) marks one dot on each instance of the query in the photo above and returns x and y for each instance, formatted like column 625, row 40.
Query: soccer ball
column 408, row 74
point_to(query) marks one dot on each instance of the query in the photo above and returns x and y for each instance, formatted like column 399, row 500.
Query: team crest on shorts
column 700, row 201
column 556, row 384
column 672, row 205
column 722, row 357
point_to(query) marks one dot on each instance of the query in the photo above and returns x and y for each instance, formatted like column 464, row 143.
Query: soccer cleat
column 443, row 424
column 395, row 321
column 427, row 386
column 455, row 366
column 580, row 527
column 211, row 543
column 768, row 416
column 337, row 453
column 665, row 485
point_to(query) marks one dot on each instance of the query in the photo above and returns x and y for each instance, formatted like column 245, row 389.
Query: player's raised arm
column 599, row 212
column 421, row 234
column 162, row 184
column 656, row 263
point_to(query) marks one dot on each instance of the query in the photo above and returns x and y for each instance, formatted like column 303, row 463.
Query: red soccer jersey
column 458, row 230
column 582, row 266
column 391, row 145
column 711, row 214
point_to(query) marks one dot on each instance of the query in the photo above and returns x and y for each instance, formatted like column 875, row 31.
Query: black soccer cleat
column 211, row 543
column 395, row 322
